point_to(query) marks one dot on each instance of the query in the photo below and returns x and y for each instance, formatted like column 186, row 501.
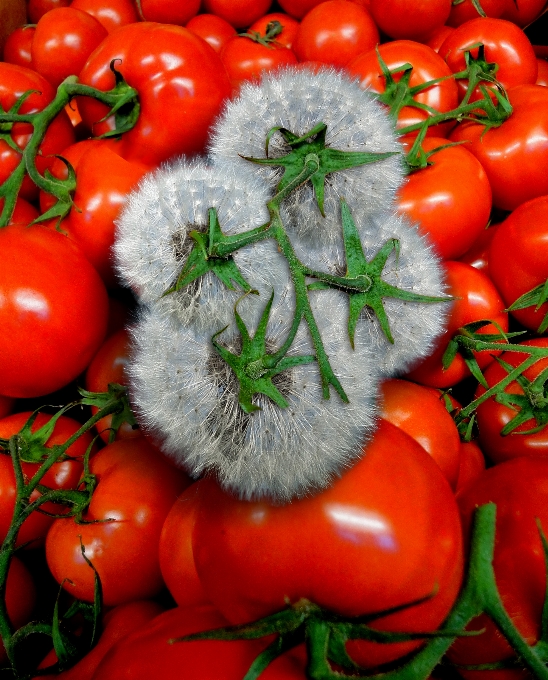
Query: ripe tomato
column 410, row 19
column 472, row 465
column 23, row 213
column 335, row 32
column 427, row 65
column 136, row 488
column 53, row 311
column 505, row 44
column 437, row 37
column 478, row 255
column 17, row 48
column 476, row 299
column 542, row 76
column 385, row 534
column 465, row 10
column 37, row 8
column 14, row 82
column 493, row 415
column 298, row 8
column 110, row 13
column 169, row 11
column 289, row 27
column 515, row 154
column 213, row 29
column 64, row 39
column 420, row 412
column 62, row 475
column 238, row 13
column 147, row 653
column 520, row 570
column 20, row 597
column 518, row 257
column 523, row 12
column 181, row 83
column 450, row 199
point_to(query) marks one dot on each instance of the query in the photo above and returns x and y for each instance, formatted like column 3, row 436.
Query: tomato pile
column 428, row 557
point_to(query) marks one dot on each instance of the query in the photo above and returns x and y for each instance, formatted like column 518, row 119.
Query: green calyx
column 531, row 405
column 533, row 298
column 273, row 30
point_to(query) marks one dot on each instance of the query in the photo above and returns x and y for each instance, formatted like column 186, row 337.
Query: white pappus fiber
column 185, row 394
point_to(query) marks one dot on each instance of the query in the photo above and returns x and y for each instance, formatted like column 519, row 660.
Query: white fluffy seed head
column 298, row 99
column 188, row 398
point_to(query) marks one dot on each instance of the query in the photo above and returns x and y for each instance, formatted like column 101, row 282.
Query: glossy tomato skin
column 147, row 653
column 290, row 27
column 514, row 155
column 136, row 489
column 169, row 11
column 493, row 416
column 465, row 11
column 238, row 13
column 335, row 32
column 48, row 290
column 420, row 412
column 178, row 103
column 14, row 82
column 524, row 12
column 213, row 29
column 364, row 545
column 518, row 559
column 472, row 465
column 478, row 255
column 64, row 39
column 518, row 257
column 427, row 65
column 410, row 19
column 110, row 13
column 505, row 44
column 298, row 8
column 476, row 299
column 450, row 199
column 17, row 48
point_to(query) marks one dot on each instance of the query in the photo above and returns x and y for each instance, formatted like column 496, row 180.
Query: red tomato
column 181, row 82
column 238, row 13
column 20, row 598
column 169, row 11
column 335, row 32
column 146, row 653
column 505, row 44
column 23, row 213
column 436, row 38
column 518, row 257
column 450, row 199
column 478, row 255
column 542, row 76
column 289, row 27
column 64, row 39
column 214, row 30
column 520, row 490
column 427, row 65
column 62, row 475
column 37, row 8
column 14, row 82
column 410, row 19
column 108, row 366
column 136, row 488
column 472, row 465
column 493, row 415
column 298, row 8
column 17, row 48
column 465, row 10
column 476, row 299
column 515, row 154
column 523, row 12
column 176, row 556
column 420, row 412
column 245, row 59
column 111, row 14
column 53, row 311
column 386, row 533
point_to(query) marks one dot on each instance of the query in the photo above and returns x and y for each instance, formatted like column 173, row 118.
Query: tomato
column 238, row 13
column 410, row 19
column 519, row 565
column 515, row 154
column 108, row 366
column 23, row 212
column 478, row 255
column 335, row 32
column 53, row 311
column 450, row 199
column 118, row 623
column 20, row 597
column 518, row 257
column 493, row 415
column 213, row 29
column 176, row 556
column 465, row 10
column 523, row 12
column 14, row 82
column 64, row 39
column 245, row 59
column 427, row 65
column 472, row 465
column 111, row 14
column 169, row 11
column 103, row 182
column 298, row 8
column 385, row 534
column 181, row 83
column 542, row 76
column 136, row 488
column 476, row 299
column 37, row 8
column 17, row 48
column 505, row 44
column 437, row 37
column 420, row 412
column 289, row 27
column 62, row 475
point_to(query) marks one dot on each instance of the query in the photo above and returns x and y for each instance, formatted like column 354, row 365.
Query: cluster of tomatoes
column 382, row 548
